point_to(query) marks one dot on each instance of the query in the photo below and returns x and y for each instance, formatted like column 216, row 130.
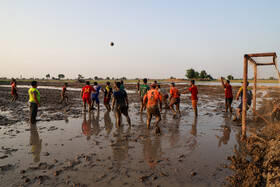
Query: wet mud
column 68, row 147
column 256, row 162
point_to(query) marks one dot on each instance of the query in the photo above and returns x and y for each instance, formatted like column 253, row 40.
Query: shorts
column 228, row 101
column 87, row 99
column 95, row 98
column 153, row 111
column 121, row 109
column 174, row 100
column 241, row 106
column 106, row 100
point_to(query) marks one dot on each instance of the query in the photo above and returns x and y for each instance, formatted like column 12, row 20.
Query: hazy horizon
column 153, row 39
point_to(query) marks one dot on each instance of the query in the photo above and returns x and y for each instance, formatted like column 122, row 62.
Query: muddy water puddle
column 91, row 150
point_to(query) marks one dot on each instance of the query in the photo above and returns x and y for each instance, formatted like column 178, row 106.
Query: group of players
column 151, row 97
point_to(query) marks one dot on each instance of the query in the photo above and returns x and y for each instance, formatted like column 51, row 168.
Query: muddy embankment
column 257, row 162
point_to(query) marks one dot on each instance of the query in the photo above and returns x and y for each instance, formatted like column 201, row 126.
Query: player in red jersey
column 228, row 94
column 194, row 91
column 86, row 95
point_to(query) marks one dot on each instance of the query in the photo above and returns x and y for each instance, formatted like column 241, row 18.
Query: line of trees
column 60, row 76
column 192, row 74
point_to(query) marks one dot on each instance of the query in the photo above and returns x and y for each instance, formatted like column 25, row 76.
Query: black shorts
column 229, row 101
column 121, row 109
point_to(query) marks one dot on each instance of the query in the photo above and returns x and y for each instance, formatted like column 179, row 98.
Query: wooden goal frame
column 247, row 58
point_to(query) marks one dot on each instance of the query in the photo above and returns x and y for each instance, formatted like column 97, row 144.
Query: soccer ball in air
column 112, row 43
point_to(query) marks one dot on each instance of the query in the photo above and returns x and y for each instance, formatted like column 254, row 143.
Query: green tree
column 80, row 76
column 203, row 74
column 60, row 76
column 230, row 77
column 196, row 74
column 107, row 78
column 95, row 78
column 209, row 77
column 190, row 73
column 48, row 76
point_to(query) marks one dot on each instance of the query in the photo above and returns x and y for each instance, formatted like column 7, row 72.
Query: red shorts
column 14, row 93
column 87, row 99
column 106, row 100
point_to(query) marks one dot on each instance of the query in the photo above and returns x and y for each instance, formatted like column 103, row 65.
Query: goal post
column 250, row 58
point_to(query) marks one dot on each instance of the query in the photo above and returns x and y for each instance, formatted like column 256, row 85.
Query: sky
column 153, row 39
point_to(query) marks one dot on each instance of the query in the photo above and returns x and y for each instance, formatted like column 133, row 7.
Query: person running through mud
column 240, row 107
column 194, row 91
column 95, row 95
column 174, row 99
column 121, row 101
column 164, row 96
column 228, row 94
column 86, row 94
column 34, row 102
column 143, row 90
column 63, row 94
column 152, row 98
column 14, row 91
column 107, row 96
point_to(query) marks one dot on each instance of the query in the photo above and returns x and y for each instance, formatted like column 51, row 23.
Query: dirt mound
column 258, row 164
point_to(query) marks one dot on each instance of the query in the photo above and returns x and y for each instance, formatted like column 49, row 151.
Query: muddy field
column 70, row 147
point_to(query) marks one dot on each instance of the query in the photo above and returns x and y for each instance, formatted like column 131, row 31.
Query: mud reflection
column 35, row 143
column 226, row 131
column 86, row 126
column 193, row 128
column 151, row 149
column 240, row 137
column 120, row 148
column 95, row 123
column 108, row 122
column 175, row 133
